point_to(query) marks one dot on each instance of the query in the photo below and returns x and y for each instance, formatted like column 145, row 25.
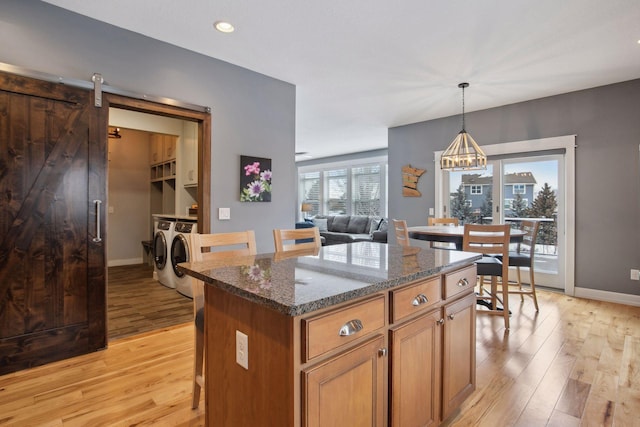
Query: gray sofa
column 351, row 228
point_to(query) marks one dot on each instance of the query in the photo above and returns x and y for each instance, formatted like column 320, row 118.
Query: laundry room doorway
column 158, row 164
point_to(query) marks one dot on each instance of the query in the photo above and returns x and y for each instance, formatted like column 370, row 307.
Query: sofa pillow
column 358, row 224
column 340, row 223
column 384, row 225
column 375, row 223
column 329, row 219
column 321, row 223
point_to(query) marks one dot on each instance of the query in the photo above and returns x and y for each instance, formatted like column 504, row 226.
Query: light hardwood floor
column 575, row 363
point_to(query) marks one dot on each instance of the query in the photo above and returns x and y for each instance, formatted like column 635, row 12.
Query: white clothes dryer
column 181, row 252
column 162, row 237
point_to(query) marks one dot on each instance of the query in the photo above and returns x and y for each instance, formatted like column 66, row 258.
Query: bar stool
column 247, row 241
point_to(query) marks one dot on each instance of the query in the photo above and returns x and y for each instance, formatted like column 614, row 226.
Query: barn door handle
column 97, row 239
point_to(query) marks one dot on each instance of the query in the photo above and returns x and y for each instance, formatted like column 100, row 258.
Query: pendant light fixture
column 463, row 153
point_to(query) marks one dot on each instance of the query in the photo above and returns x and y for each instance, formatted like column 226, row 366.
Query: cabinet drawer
column 332, row 329
column 414, row 298
column 459, row 282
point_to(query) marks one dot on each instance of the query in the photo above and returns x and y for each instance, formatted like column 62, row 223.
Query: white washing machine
column 162, row 237
column 181, row 252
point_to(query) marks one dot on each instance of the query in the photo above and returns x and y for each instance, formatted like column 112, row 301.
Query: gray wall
column 606, row 121
column 251, row 114
column 129, row 222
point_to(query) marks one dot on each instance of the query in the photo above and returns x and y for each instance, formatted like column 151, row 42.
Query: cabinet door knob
column 382, row 352
column 420, row 299
column 440, row 322
column 463, row 282
column 350, row 328
column 451, row 316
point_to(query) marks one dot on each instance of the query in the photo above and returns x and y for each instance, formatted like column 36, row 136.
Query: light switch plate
column 224, row 213
column 431, row 212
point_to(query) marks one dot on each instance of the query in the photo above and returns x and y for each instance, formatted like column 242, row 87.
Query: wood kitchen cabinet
column 399, row 356
column 162, row 173
column 432, row 363
column 189, row 155
column 459, row 353
column 348, row 389
column 415, row 376
column 162, row 148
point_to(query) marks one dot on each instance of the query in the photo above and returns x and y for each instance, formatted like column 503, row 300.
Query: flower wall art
column 255, row 179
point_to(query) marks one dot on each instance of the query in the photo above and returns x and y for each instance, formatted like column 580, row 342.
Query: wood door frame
column 204, row 143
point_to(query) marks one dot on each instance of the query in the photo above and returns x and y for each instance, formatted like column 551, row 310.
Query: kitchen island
column 355, row 334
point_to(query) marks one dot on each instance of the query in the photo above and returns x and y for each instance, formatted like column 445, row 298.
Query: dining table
column 451, row 234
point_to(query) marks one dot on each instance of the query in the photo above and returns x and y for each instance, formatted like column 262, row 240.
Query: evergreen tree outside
column 545, row 205
column 519, row 207
column 459, row 207
column 486, row 210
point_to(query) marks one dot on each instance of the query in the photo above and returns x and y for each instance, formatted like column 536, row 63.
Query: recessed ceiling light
column 223, row 26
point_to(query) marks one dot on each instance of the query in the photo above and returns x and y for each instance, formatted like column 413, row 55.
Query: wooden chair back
column 488, row 240
column 235, row 244
column 528, row 244
column 401, row 232
column 310, row 237
column 222, row 249
column 218, row 246
column 443, row 221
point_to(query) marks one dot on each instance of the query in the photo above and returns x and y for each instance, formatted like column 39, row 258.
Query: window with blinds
column 339, row 189
column 309, row 191
column 337, row 186
column 365, row 190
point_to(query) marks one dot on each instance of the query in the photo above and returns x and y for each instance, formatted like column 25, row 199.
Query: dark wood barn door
column 52, row 261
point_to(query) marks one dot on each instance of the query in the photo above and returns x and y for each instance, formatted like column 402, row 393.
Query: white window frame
column 349, row 164
column 522, row 189
column 568, row 143
column 473, row 190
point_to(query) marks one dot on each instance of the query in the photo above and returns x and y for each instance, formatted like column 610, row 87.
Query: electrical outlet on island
column 242, row 350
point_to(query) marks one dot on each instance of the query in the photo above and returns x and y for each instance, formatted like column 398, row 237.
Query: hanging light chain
column 462, row 86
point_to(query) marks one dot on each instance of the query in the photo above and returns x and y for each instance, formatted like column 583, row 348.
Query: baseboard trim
column 596, row 294
column 118, row 262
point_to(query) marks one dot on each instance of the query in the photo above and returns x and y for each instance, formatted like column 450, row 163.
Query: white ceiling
column 362, row 66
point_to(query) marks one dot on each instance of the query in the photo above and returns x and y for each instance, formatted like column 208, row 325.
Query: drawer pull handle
column 440, row 322
column 382, row 352
column 451, row 316
column 463, row 282
column 350, row 328
column 420, row 299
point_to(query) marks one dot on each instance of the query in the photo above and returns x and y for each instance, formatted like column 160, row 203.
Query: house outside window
column 477, row 191
column 344, row 189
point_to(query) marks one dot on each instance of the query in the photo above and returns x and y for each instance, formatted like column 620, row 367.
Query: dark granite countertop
column 295, row 284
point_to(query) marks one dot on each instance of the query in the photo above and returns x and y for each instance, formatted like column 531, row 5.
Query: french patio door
column 526, row 183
